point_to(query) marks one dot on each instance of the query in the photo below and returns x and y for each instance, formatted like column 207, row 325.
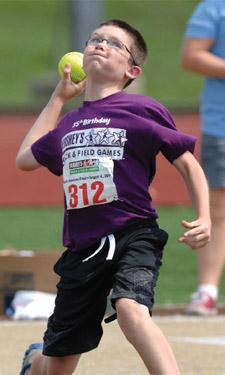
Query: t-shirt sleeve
column 175, row 143
column 47, row 152
column 203, row 22
column 167, row 139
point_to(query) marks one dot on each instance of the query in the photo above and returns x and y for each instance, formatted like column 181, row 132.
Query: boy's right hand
column 66, row 89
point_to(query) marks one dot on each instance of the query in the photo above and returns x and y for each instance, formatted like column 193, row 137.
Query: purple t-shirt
column 106, row 151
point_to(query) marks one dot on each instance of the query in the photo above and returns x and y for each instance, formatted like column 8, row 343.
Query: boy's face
column 108, row 61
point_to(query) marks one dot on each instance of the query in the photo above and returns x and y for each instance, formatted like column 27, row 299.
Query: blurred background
column 36, row 33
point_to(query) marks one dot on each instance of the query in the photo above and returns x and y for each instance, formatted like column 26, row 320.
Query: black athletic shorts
column 127, row 263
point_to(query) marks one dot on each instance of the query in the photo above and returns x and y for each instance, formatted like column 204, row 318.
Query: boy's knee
column 130, row 314
column 60, row 365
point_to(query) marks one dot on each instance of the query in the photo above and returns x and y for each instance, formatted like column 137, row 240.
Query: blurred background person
column 203, row 52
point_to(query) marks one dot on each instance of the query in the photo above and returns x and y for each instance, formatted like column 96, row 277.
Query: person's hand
column 66, row 88
column 198, row 234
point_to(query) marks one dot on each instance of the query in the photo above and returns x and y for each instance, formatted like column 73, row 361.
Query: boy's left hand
column 198, row 234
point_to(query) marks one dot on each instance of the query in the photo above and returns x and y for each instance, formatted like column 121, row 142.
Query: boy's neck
column 99, row 91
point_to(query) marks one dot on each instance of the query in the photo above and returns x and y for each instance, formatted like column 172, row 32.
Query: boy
column 110, row 229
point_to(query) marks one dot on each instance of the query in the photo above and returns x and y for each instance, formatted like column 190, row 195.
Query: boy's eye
column 96, row 40
column 115, row 44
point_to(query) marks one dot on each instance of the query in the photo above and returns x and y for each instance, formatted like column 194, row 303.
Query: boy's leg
column 43, row 365
column 133, row 296
column 146, row 337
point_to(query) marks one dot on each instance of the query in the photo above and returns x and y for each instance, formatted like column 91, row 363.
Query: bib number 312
column 86, row 195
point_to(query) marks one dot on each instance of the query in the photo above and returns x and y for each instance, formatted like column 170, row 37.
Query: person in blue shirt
column 203, row 52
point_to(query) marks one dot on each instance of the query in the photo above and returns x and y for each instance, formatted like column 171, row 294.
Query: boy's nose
column 103, row 41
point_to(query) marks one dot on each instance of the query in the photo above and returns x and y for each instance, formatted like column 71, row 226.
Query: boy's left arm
column 198, row 234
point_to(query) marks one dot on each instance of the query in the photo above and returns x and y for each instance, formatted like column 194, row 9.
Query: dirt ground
column 198, row 343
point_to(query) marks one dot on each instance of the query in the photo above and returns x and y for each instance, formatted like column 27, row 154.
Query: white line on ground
column 189, row 318
column 212, row 340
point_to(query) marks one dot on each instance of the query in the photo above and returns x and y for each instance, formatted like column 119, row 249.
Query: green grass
column 36, row 33
column 41, row 229
column 31, row 228
column 178, row 275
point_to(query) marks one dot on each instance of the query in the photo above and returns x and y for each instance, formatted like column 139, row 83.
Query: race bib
column 88, row 182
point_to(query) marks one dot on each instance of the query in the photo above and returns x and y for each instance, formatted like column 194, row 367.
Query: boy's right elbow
column 20, row 163
column 26, row 162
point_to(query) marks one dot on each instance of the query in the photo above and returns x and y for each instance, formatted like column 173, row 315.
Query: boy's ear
column 133, row 72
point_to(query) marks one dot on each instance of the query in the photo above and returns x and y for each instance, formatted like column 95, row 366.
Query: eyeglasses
column 111, row 43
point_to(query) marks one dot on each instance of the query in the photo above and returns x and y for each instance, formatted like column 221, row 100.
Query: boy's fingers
column 66, row 71
column 188, row 225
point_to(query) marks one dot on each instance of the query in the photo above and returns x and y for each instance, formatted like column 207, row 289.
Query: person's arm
column 196, row 57
column 48, row 118
column 198, row 234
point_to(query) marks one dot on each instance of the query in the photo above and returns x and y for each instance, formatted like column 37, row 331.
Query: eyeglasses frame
column 105, row 39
